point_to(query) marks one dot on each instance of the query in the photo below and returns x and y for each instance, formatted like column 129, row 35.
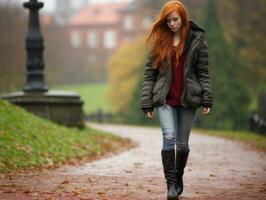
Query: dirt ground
column 217, row 169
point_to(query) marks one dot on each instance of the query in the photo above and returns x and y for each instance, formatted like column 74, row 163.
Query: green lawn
column 28, row 141
column 252, row 139
column 93, row 95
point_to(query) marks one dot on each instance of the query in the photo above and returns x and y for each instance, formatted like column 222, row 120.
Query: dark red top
column 174, row 94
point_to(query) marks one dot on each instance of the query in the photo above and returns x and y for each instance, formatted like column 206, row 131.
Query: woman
column 176, row 82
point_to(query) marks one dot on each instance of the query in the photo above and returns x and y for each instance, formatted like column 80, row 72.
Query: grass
column 252, row 139
column 27, row 141
column 93, row 95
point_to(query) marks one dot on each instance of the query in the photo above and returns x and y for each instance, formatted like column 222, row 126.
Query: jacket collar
column 194, row 32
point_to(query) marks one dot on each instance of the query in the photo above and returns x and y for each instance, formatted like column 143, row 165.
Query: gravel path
column 217, row 169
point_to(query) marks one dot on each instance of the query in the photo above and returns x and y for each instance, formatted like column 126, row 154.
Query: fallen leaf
column 75, row 193
column 27, row 192
column 100, row 193
column 65, row 182
column 8, row 191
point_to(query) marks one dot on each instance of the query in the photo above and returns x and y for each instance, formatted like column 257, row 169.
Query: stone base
column 58, row 106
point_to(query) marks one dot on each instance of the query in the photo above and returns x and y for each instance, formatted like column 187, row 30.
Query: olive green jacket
column 196, row 81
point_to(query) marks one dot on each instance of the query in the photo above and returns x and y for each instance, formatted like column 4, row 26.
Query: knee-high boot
column 181, row 162
column 168, row 160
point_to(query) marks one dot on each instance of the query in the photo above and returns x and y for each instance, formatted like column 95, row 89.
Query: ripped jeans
column 176, row 123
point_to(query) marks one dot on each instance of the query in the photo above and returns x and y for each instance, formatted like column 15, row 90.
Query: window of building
column 92, row 39
column 128, row 22
column 75, row 39
column 110, row 39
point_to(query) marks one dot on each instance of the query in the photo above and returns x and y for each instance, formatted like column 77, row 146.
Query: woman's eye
column 174, row 19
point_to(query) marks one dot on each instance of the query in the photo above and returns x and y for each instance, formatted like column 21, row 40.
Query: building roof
column 98, row 14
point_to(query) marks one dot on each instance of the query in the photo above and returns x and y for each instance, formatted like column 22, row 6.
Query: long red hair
column 160, row 39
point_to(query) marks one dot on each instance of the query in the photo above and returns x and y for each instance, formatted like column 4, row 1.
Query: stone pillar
column 34, row 47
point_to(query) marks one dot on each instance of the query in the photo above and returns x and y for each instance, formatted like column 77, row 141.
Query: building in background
column 99, row 29
column 86, row 35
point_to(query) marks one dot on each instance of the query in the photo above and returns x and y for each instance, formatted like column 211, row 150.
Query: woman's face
column 173, row 21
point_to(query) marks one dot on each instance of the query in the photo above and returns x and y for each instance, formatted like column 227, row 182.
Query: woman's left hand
column 206, row 110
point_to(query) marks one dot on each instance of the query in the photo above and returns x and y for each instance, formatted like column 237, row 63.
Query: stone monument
column 59, row 106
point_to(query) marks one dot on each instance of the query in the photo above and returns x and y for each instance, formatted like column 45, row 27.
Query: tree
column 12, row 42
column 231, row 94
column 123, row 72
column 247, row 32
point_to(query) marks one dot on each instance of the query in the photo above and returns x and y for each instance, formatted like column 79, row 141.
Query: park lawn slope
column 27, row 141
column 253, row 140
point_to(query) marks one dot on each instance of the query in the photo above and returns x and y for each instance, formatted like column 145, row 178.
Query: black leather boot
column 168, row 160
column 181, row 162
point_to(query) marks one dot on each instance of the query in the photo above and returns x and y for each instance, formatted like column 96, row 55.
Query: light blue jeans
column 176, row 123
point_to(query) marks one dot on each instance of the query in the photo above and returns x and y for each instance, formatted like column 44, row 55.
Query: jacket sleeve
column 150, row 75
column 202, row 73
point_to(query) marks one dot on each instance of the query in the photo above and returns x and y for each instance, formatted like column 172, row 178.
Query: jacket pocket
column 158, row 91
column 193, row 93
column 158, row 85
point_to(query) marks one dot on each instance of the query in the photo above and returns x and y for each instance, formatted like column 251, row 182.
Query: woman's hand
column 206, row 110
column 149, row 115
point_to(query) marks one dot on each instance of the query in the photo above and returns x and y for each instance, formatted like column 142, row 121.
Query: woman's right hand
column 149, row 115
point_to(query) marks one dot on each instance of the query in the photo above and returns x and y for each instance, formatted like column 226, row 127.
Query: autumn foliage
column 123, row 72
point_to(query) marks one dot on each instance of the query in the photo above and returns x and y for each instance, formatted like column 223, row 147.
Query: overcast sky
column 50, row 4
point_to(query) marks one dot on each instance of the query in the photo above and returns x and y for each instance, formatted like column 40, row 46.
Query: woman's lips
column 173, row 28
